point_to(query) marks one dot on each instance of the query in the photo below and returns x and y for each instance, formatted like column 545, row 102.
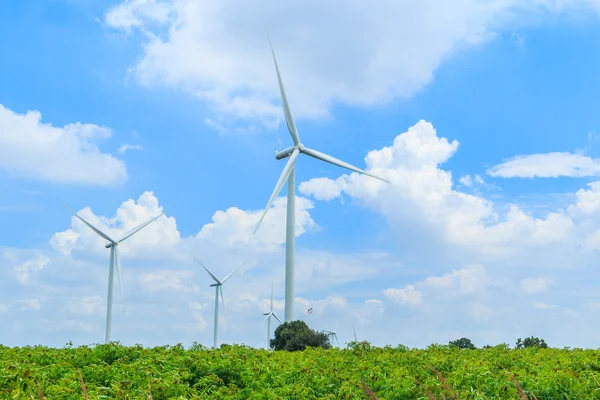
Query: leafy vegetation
column 531, row 342
column 296, row 335
column 463, row 343
column 238, row 372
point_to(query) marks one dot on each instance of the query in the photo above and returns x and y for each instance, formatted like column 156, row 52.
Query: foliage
column 531, row 342
column 296, row 335
column 463, row 343
column 238, row 372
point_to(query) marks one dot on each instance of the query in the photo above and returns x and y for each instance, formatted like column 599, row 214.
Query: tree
column 463, row 343
column 296, row 335
column 531, row 342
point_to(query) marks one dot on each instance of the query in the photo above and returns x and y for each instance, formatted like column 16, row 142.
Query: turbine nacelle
column 285, row 153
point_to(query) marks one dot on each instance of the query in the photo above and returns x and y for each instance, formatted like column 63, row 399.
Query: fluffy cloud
column 86, row 305
column 320, row 188
column 167, row 281
column 422, row 199
column 406, row 295
column 536, row 285
column 65, row 154
column 218, row 50
column 25, row 270
column 549, row 165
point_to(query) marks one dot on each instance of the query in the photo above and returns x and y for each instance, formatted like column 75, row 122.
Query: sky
column 482, row 115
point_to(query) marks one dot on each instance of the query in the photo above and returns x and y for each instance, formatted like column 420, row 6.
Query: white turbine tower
column 288, row 175
column 114, row 259
column 333, row 334
column 268, row 318
column 218, row 288
column 354, row 330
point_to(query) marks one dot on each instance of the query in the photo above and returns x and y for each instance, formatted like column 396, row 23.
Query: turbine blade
column 277, row 318
column 210, row 273
column 289, row 119
column 284, row 175
column 336, row 339
column 140, row 227
column 92, row 227
column 335, row 330
column 354, row 330
column 335, row 161
column 268, row 316
column 118, row 264
column 223, row 302
column 231, row 274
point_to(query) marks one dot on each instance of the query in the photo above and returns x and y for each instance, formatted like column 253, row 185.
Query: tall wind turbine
column 268, row 318
column 354, row 330
column 218, row 288
column 333, row 334
column 288, row 175
column 114, row 259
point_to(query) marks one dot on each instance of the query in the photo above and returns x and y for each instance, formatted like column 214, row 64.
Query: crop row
column 237, row 372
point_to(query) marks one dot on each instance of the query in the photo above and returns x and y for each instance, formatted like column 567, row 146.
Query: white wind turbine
column 268, row 318
column 114, row 259
column 354, row 330
column 218, row 288
column 333, row 334
column 288, row 175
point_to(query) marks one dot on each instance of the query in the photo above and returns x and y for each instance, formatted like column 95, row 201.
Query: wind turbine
column 268, row 318
column 333, row 334
column 354, row 330
column 218, row 288
column 288, row 175
column 114, row 259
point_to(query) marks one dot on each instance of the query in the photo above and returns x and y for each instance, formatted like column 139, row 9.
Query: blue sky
column 488, row 111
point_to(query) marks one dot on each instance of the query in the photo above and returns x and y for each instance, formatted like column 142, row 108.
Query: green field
column 237, row 372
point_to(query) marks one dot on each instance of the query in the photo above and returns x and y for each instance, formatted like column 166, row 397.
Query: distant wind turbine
column 114, row 259
column 333, row 334
column 354, row 330
column 268, row 318
column 288, row 175
column 218, row 288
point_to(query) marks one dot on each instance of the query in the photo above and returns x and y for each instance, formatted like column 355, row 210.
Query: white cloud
column 354, row 52
column 406, row 295
column 536, row 285
column 31, row 304
column 320, row 188
column 549, row 165
column 69, row 154
column 86, row 305
column 538, row 305
column 25, row 270
column 168, row 281
column 135, row 13
column 470, row 279
column 197, row 311
column 466, row 180
column 126, row 147
column 422, row 199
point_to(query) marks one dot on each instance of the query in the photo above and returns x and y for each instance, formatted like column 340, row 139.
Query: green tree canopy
column 296, row 335
column 531, row 342
column 463, row 343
